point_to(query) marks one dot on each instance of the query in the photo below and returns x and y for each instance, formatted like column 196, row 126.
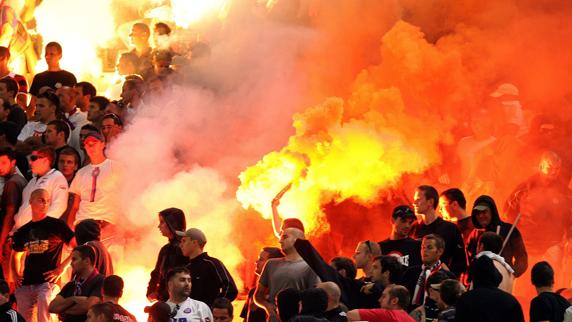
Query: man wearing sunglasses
column 45, row 177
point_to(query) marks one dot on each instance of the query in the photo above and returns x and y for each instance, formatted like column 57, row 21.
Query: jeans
column 27, row 296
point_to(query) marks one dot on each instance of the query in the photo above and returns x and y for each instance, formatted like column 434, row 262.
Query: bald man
column 334, row 312
column 282, row 273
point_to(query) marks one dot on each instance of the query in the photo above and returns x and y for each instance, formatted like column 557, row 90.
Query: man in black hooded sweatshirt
column 170, row 255
column 485, row 217
column 486, row 302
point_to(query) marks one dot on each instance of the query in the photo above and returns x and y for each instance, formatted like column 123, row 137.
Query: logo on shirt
column 188, row 310
column 37, row 246
column 403, row 259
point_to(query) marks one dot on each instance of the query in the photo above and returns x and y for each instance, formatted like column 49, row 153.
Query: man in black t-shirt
column 78, row 295
column 399, row 244
column 547, row 306
column 54, row 77
column 43, row 239
column 112, row 292
column 8, row 92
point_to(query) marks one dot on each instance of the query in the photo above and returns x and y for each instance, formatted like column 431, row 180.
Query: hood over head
column 175, row 219
column 480, row 203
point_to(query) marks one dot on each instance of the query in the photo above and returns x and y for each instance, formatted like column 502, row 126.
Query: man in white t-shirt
column 184, row 308
column 45, row 177
column 46, row 106
column 96, row 186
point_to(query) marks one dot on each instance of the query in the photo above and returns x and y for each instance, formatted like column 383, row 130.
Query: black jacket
column 514, row 253
column 7, row 314
column 210, row 280
column 351, row 295
column 486, row 302
column 170, row 256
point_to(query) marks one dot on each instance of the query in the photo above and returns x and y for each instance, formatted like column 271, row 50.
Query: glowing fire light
column 188, row 12
column 80, row 27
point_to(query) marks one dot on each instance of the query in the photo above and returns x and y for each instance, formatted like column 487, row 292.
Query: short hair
column 314, row 301
column 162, row 25
column 11, row 85
column 8, row 152
column 142, row 26
column 345, row 263
column 10, row 130
column 130, row 57
column 439, row 241
column 430, row 193
column 113, row 286
column 87, row 88
column 491, row 242
column 273, row 252
column 4, row 287
column 61, row 126
column 391, row 264
column 86, row 251
column 46, row 151
column 450, row 291
column 101, row 101
column 90, row 127
column 37, row 192
column 436, row 278
column 542, row 274
column 55, row 45
column 51, row 96
column 4, row 52
column 222, row 303
column 177, row 270
column 116, row 119
column 288, row 303
column 106, row 309
column 135, row 84
column 401, row 294
column 455, row 194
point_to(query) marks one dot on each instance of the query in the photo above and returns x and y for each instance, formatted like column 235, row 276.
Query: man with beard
column 184, row 308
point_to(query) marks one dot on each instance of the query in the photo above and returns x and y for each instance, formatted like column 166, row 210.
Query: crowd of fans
column 59, row 188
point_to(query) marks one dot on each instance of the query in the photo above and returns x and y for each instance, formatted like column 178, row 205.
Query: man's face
column 67, row 96
column 109, row 129
column 44, row 109
column 80, row 98
column 484, row 217
column 94, row 113
column 221, row 315
column 78, row 264
column 361, row 255
column 430, row 254
column 164, row 228
column 4, row 92
column 402, row 226
column 52, row 56
column 125, row 66
column 188, row 246
column 51, row 135
column 287, row 239
column 139, row 37
column 40, row 165
column 377, row 275
column 67, row 165
column 6, row 165
column 127, row 93
column 434, row 294
column 93, row 146
column 259, row 264
column 446, row 207
column 180, row 285
column 420, row 204
column 40, row 204
column 385, row 299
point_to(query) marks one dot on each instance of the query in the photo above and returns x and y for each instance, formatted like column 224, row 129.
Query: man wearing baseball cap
column 290, row 271
column 399, row 244
column 210, row 278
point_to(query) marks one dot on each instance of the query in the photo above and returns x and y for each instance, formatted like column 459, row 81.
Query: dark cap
column 95, row 135
column 194, row 234
column 292, row 223
column 403, row 212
